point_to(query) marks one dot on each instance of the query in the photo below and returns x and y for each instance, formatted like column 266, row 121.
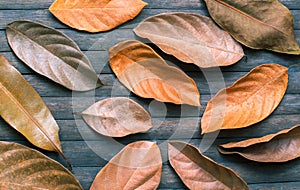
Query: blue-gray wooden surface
column 80, row 143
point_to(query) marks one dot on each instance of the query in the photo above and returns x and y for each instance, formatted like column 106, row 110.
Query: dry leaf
column 96, row 16
column 117, row 117
column 256, row 24
column 137, row 166
column 191, row 38
column 249, row 100
column 280, row 147
column 52, row 54
column 146, row 74
column 23, row 168
column 23, row 108
column 199, row 172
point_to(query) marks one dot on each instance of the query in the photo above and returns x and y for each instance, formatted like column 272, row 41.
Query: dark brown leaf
column 256, row 24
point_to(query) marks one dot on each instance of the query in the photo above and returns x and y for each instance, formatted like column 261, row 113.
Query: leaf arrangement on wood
column 191, row 38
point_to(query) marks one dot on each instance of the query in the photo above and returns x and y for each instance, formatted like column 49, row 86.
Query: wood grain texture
column 153, row 4
column 167, row 122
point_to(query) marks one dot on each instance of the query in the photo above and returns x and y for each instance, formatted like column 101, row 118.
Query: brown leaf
column 256, row 24
column 249, row 100
column 23, row 168
column 200, row 172
column 280, row 147
column 96, row 16
column 137, row 166
column 52, row 54
column 23, row 108
column 146, row 74
column 117, row 117
column 191, row 38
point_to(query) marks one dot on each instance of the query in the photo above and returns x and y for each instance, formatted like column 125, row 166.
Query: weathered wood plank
column 67, row 107
column 182, row 122
column 276, row 186
column 98, row 153
column 99, row 59
column 152, row 4
column 45, row 17
column 163, row 128
column 113, row 87
column 170, row 180
column 98, row 41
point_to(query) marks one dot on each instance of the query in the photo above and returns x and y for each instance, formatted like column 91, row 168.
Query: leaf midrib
column 27, row 114
column 248, row 16
column 207, row 46
column 89, row 8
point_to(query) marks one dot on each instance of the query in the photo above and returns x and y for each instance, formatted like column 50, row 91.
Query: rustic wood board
column 81, row 144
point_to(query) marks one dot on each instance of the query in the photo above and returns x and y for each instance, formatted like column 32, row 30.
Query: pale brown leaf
column 280, row 147
column 146, row 74
column 117, row 117
column 249, row 100
column 199, row 172
column 191, row 38
column 96, row 15
column 137, row 166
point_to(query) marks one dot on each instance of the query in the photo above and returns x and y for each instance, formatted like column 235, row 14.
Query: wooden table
column 80, row 143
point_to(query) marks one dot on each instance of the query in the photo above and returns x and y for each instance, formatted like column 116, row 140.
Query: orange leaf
column 249, row 100
column 96, row 16
column 137, row 166
column 146, row 74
